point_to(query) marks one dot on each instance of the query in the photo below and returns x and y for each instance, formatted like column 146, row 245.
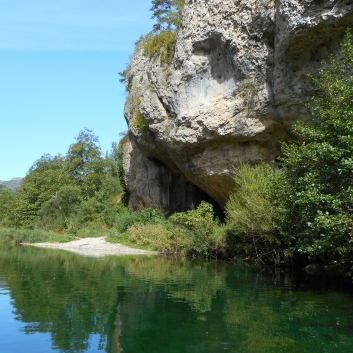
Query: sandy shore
column 96, row 247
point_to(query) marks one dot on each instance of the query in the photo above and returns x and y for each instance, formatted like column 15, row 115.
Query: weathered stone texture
column 231, row 94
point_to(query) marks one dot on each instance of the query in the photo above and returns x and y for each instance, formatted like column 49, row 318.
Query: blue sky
column 59, row 64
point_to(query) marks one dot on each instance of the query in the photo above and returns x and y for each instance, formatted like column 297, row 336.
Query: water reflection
column 152, row 304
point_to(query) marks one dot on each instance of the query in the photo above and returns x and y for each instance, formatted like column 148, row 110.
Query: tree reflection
column 153, row 304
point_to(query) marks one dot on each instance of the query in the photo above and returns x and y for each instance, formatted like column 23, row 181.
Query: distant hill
column 12, row 184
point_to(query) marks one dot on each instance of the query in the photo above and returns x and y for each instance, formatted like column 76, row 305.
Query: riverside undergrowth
column 298, row 211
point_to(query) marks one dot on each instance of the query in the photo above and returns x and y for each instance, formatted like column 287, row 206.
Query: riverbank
column 94, row 247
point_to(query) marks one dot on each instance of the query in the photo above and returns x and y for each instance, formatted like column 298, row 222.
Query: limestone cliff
column 232, row 92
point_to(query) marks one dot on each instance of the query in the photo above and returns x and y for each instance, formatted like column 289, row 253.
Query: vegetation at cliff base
column 304, row 211
column 252, row 215
column 300, row 213
column 195, row 233
column 297, row 212
column 317, row 193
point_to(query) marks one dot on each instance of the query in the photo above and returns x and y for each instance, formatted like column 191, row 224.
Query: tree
column 45, row 177
column 83, row 154
column 167, row 13
column 55, row 213
column 317, row 200
column 161, row 41
column 57, row 189
column 6, row 203
column 85, row 163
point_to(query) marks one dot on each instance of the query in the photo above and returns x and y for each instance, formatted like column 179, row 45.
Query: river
column 51, row 300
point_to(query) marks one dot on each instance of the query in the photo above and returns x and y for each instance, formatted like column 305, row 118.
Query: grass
column 123, row 238
column 139, row 122
column 162, row 44
column 8, row 235
column 194, row 233
column 13, row 235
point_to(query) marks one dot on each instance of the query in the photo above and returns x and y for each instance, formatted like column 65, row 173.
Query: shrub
column 89, row 211
column 31, row 236
column 317, row 202
column 125, row 196
column 139, row 122
column 162, row 44
column 252, row 215
column 193, row 233
column 161, row 41
column 161, row 237
column 248, row 89
column 200, row 227
column 126, row 219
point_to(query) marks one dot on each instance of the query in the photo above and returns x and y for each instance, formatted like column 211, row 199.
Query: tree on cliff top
column 161, row 41
column 167, row 13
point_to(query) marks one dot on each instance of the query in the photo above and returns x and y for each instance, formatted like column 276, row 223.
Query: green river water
column 51, row 300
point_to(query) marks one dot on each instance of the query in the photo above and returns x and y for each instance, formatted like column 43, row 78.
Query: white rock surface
column 233, row 90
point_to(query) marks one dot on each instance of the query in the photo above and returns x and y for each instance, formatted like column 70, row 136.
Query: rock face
column 232, row 92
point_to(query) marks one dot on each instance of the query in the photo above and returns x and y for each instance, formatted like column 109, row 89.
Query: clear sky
column 59, row 64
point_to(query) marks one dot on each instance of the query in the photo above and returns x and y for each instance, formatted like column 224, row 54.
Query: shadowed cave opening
column 178, row 194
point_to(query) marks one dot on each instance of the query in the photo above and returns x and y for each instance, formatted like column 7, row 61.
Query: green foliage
column 139, row 122
column 127, row 218
column 46, row 176
column 134, row 101
column 6, row 204
column 121, row 174
column 252, row 215
column 85, row 164
column 249, row 209
column 200, row 226
column 66, row 192
column 317, row 202
column 31, row 236
column 55, row 213
column 248, row 89
column 161, row 237
column 195, row 233
column 167, row 13
column 161, row 41
column 123, row 74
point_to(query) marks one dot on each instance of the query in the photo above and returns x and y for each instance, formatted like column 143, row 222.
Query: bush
column 162, row 44
column 161, row 237
column 161, row 41
column 139, row 122
column 126, row 219
column 317, row 201
column 252, row 216
column 202, row 238
column 193, row 233
column 125, row 196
